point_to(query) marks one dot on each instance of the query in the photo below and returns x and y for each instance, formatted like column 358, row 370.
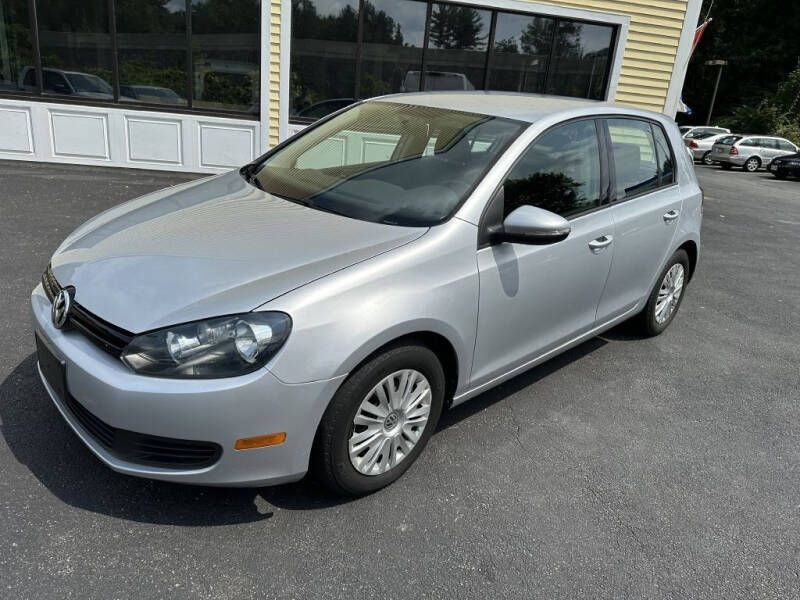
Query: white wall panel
column 15, row 130
column 154, row 140
column 224, row 146
column 79, row 135
column 121, row 137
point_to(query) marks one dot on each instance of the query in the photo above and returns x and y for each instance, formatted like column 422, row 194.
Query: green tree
column 456, row 28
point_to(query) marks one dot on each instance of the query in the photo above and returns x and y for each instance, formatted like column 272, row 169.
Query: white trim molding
column 684, row 53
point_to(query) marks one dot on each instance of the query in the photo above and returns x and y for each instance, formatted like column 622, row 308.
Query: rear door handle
column 671, row 216
column 601, row 242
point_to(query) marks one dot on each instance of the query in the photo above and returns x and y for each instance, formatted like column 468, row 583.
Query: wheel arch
column 691, row 249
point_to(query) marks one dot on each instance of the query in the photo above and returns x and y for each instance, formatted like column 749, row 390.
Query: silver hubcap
column 669, row 293
column 389, row 422
column 752, row 165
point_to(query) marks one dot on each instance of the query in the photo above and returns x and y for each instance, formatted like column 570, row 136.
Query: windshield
column 388, row 162
column 83, row 82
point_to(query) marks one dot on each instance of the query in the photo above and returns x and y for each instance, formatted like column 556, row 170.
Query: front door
column 535, row 298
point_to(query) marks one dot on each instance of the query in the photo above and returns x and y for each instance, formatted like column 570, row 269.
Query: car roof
column 522, row 107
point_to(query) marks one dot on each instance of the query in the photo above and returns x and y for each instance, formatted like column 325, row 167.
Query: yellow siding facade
column 649, row 55
column 648, row 58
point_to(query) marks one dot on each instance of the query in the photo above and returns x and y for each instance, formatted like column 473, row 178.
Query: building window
column 391, row 55
column 151, row 48
column 343, row 50
column 225, row 52
column 75, row 47
column 16, row 49
column 581, row 57
column 457, row 40
column 324, row 43
column 198, row 55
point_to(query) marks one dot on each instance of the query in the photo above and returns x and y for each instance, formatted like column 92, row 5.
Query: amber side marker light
column 260, row 441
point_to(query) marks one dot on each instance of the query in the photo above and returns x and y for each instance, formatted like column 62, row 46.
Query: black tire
column 707, row 160
column 779, row 174
column 752, row 164
column 647, row 318
column 331, row 459
column 726, row 166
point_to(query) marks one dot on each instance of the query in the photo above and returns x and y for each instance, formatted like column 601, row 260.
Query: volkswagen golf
column 321, row 306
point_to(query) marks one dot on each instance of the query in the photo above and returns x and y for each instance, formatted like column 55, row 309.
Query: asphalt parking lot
column 627, row 468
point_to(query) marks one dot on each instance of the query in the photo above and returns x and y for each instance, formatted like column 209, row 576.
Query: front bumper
column 215, row 410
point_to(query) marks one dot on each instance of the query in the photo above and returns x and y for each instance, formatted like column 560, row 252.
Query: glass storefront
column 187, row 54
column 344, row 50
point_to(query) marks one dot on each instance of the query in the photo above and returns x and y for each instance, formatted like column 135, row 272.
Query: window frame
column 611, row 164
column 40, row 95
column 615, row 50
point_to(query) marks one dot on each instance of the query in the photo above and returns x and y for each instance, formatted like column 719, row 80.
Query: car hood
column 209, row 248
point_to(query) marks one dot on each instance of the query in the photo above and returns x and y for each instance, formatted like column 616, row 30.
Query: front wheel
column 380, row 420
column 779, row 174
column 667, row 295
column 752, row 165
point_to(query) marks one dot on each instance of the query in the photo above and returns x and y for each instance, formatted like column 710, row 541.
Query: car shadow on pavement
column 42, row 441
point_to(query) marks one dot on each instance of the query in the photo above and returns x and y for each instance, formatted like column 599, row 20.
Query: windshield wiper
column 249, row 173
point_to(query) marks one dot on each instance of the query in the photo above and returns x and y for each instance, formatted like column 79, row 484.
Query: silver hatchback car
column 323, row 305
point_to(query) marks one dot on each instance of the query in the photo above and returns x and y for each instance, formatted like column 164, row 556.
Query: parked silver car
column 691, row 132
column 751, row 152
column 701, row 145
column 324, row 304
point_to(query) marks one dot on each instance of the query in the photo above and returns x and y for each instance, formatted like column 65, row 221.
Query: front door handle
column 602, row 242
column 671, row 216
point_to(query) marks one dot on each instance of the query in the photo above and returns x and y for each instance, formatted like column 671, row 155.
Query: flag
column 698, row 33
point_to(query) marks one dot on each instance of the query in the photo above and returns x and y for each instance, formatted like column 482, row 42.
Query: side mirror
column 532, row 225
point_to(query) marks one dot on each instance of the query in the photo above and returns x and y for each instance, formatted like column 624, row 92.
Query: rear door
column 646, row 206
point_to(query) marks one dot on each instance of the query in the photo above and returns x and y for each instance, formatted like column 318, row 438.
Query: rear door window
column 635, row 161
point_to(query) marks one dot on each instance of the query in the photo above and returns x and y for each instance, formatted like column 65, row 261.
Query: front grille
column 110, row 338
column 144, row 449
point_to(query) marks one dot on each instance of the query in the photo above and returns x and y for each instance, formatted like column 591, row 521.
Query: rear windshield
column 699, row 135
column 729, row 140
column 388, row 162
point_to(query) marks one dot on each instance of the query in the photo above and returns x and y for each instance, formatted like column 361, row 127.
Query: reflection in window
column 323, row 65
column 635, row 166
column 16, row 50
column 521, row 51
column 151, row 46
column 580, row 60
column 394, row 32
column 389, row 162
column 76, row 49
column 560, row 172
column 225, row 54
column 458, row 41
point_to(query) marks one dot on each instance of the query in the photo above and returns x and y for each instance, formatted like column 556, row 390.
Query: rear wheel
column 707, row 160
column 380, row 420
column 752, row 164
column 667, row 295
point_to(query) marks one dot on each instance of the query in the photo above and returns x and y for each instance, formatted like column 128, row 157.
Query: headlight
column 223, row 347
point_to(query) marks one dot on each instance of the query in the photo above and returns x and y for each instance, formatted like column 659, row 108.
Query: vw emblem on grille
column 61, row 306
